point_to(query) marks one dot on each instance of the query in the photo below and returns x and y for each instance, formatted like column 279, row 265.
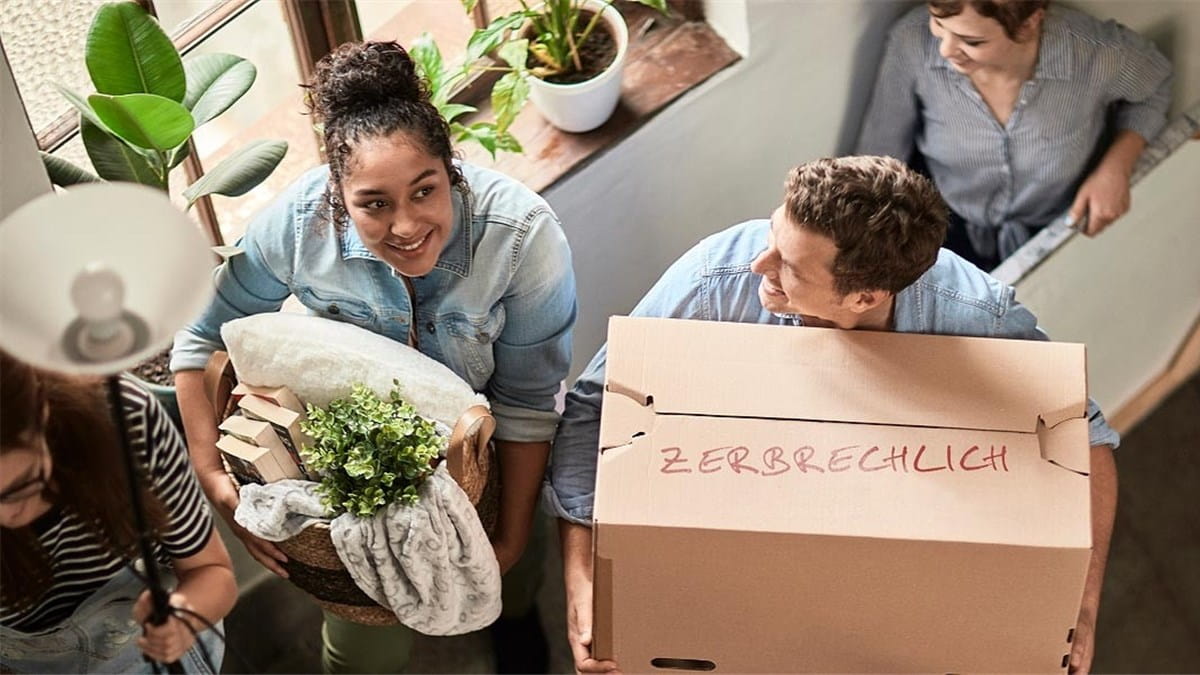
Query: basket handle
column 219, row 381
column 468, row 458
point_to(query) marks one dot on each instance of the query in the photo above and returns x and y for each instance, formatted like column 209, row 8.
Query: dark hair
column 367, row 90
column 887, row 220
column 86, row 480
column 1010, row 14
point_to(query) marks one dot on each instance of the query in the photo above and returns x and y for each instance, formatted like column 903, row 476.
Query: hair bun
column 359, row 76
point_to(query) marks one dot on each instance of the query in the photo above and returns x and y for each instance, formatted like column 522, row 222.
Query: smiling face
column 797, row 278
column 399, row 197
column 971, row 42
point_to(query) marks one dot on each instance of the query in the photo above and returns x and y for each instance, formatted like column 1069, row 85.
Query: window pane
column 174, row 14
column 270, row 110
column 44, row 43
column 405, row 20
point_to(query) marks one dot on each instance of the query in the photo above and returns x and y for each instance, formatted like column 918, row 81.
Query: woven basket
column 313, row 564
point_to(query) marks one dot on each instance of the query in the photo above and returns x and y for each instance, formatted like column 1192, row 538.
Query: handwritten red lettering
column 773, row 461
column 738, row 455
column 917, row 462
column 962, row 462
column 949, row 461
column 902, row 457
column 710, row 460
column 862, row 461
column 842, row 461
column 674, row 456
column 1002, row 455
column 801, row 457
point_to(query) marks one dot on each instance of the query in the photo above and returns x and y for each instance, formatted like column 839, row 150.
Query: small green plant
column 508, row 93
column 148, row 101
column 369, row 452
column 557, row 33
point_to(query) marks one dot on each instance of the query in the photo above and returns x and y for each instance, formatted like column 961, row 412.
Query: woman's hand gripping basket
column 378, row 570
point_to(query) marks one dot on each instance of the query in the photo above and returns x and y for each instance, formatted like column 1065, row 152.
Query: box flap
column 683, row 367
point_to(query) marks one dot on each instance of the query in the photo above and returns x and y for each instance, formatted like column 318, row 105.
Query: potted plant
column 147, row 103
column 574, row 56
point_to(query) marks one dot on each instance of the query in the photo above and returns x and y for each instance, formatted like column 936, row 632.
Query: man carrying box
column 855, row 245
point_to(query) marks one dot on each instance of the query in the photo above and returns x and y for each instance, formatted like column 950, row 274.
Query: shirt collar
column 1054, row 62
column 456, row 254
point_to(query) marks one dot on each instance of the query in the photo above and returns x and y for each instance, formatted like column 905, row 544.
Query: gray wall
column 21, row 175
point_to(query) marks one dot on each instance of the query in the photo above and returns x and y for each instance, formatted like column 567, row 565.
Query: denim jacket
column 497, row 309
column 713, row 282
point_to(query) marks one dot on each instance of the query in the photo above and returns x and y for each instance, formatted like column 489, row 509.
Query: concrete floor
column 1149, row 617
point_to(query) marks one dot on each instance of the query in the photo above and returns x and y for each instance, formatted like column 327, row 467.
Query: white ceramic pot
column 585, row 105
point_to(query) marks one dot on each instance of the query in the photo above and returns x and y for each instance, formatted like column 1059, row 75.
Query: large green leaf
column 489, row 37
column 515, row 53
column 660, row 5
column 80, row 104
column 65, row 174
column 128, row 53
column 215, row 82
column 115, row 160
column 145, row 120
column 239, row 172
column 450, row 111
column 483, row 133
column 508, row 96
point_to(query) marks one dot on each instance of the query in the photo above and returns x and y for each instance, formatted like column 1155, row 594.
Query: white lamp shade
column 160, row 256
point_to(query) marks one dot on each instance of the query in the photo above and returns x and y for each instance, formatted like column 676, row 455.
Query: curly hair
column 365, row 90
column 887, row 220
column 1010, row 14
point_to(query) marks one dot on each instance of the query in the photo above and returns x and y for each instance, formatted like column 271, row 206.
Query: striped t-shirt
column 1007, row 181
column 81, row 565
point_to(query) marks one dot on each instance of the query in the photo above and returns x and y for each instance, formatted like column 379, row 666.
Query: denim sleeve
column 253, row 281
column 1142, row 86
column 893, row 115
column 1020, row 323
column 533, row 352
column 571, row 486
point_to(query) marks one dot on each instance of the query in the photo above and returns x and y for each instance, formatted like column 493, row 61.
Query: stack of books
column 261, row 442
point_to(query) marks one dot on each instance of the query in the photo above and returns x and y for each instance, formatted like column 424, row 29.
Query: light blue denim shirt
column 713, row 282
column 497, row 309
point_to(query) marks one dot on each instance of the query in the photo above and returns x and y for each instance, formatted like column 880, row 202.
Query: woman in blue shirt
column 1010, row 105
column 396, row 236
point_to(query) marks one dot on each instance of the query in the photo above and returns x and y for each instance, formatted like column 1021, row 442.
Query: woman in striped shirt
column 71, row 601
column 1019, row 111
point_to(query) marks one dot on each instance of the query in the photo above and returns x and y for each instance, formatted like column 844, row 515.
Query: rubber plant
column 148, row 102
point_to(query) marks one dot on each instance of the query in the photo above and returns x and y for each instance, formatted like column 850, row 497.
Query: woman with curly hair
column 72, row 602
column 397, row 236
column 1020, row 111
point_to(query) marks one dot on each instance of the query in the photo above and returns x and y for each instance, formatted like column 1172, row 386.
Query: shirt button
column 430, row 327
column 333, row 309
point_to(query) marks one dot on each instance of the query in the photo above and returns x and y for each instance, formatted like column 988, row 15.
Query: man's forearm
column 1104, row 511
column 200, row 426
column 576, row 552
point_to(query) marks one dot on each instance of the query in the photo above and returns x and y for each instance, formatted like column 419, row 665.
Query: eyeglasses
column 26, row 489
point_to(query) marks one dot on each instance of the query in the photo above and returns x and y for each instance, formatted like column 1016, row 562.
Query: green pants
column 349, row 647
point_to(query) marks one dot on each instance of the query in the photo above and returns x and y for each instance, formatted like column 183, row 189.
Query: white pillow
column 320, row 359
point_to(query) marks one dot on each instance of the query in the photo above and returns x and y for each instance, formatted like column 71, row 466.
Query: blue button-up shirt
column 497, row 309
column 1006, row 181
column 713, row 282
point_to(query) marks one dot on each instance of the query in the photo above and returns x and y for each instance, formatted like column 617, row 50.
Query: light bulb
column 106, row 332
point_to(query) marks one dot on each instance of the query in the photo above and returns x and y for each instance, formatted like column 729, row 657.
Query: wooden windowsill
column 667, row 57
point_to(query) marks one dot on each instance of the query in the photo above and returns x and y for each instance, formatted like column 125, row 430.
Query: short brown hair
column 887, row 220
column 1010, row 14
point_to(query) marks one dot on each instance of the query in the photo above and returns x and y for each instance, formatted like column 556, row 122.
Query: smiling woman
column 1021, row 111
column 396, row 236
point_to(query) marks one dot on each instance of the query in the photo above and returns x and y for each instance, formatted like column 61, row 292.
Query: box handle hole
column 683, row 664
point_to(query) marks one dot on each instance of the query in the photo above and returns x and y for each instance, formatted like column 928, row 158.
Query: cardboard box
column 285, row 422
column 774, row 499
column 249, row 463
column 261, row 434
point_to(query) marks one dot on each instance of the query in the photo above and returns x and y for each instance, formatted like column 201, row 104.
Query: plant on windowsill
column 571, row 55
column 148, row 101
